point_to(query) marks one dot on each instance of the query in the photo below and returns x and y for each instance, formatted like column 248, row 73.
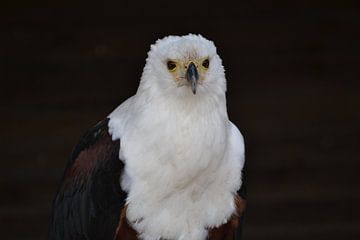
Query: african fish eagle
column 166, row 164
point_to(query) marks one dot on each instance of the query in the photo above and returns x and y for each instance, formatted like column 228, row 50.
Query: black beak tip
column 194, row 91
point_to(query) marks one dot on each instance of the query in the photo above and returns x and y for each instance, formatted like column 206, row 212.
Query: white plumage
column 183, row 157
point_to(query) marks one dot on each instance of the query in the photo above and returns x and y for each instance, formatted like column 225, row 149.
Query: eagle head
column 183, row 65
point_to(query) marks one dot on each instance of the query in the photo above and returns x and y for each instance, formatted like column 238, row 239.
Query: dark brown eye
column 205, row 63
column 171, row 65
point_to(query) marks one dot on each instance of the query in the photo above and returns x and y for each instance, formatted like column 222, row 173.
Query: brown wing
column 90, row 198
column 124, row 231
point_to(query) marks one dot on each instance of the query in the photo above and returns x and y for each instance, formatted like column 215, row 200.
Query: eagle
column 166, row 164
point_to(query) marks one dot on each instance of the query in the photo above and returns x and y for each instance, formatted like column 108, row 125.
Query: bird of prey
column 164, row 165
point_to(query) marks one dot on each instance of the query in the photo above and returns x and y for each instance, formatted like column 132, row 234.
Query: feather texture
column 182, row 155
column 179, row 161
column 89, row 201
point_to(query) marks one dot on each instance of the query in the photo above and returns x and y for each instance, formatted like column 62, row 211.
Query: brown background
column 293, row 89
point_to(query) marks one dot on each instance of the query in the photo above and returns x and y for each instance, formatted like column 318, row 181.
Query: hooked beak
column 192, row 76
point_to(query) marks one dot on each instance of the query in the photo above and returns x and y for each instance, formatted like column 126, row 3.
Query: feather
column 89, row 200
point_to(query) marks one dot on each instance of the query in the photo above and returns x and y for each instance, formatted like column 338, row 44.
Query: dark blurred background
column 293, row 70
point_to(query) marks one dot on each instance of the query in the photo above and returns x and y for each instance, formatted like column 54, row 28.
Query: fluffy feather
column 182, row 155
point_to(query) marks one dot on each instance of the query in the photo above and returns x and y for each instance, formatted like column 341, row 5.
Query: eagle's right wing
column 89, row 202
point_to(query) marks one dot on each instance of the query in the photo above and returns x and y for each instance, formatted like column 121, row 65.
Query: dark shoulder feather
column 89, row 201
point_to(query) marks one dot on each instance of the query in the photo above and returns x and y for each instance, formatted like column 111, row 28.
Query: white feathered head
column 183, row 66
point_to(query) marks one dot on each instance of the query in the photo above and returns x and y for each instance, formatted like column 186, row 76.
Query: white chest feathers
column 180, row 175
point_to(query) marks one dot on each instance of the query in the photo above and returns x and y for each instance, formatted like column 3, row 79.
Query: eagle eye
column 206, row 63
column 171, row 65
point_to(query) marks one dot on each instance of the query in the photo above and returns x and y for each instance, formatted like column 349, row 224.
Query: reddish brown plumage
column 124, row 231
column 90, row 198
column 91, row 158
